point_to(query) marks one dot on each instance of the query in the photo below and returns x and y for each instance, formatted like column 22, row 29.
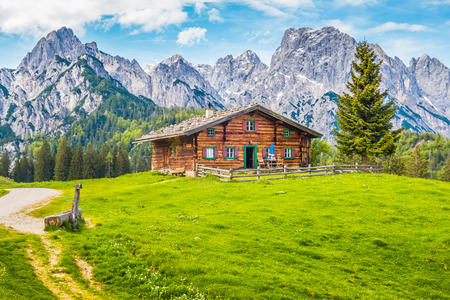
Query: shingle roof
column 197, row 124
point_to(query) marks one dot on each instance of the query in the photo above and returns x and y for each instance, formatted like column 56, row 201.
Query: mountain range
column 54, row 83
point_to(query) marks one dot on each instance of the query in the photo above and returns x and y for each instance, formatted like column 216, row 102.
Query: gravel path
column 15, row 205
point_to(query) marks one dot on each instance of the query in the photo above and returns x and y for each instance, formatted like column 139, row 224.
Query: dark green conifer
column 44, row 164
column 417, row 165
column 109, row 165
column 140, row 164
column 62, row 160
column 76, row 165
column 100, row 166
column 89, row 163
column 364, row 126
column 4, row 165
column 123, row 162
column 23, row 170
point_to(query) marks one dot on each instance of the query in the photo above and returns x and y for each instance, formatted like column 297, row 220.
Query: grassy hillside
column 5, row 181
column 345, row 236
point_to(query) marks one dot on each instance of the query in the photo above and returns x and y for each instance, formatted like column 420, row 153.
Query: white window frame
column 210, row 153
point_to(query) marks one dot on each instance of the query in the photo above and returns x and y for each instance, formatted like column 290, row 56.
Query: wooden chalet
column 239, row 138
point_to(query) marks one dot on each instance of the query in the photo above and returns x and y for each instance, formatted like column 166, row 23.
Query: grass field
column 344, row 236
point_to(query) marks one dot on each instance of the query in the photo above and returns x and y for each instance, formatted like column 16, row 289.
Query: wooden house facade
column 230, row 139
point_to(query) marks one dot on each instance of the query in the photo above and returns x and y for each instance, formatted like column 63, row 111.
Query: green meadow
column 345, row 236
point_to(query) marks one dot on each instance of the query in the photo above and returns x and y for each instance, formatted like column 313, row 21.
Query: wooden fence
column 285, row 172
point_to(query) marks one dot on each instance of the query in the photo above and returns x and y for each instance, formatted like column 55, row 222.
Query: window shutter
column 256, row 125
column 275, row 152
column 204, row 152
column 244, row 125
column 264, row 152
column 224, row 152
column 216, row 154
column 293, row 153
column 283, row 153
column 236, row 152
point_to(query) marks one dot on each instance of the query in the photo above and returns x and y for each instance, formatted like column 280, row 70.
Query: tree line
column 70, row 163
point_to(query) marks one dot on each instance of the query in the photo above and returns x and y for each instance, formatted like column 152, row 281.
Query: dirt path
column 47, row 266
column 15, row 206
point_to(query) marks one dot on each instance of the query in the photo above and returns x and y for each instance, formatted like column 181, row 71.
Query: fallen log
column 58, row 219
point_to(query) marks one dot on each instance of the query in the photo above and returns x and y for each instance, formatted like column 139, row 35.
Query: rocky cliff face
column 175, row 82
column 51, row 86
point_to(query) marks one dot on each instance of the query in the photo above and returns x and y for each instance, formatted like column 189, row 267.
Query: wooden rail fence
column 285, row 172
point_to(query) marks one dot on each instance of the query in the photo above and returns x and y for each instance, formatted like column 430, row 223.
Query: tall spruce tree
column 43, row 170
column 363, row 120
column 140, row 164
column 76, row 165
column 417, row 165
column 62, row 160
column 4, row 165
column 109, row 165
column 123, row 162
column 89, row 163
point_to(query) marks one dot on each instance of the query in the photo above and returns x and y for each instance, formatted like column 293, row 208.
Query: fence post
column 258, row 173
column 334, row 168
column 285, row 171
column 231, row 174
column 76, row 201
column 371, row 169
column 356, row 167
column 309, row 169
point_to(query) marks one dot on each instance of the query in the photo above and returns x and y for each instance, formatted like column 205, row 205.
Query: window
column 230, row 152
column 250, row 125
column 210, row 132
column 287, row 133
column 209, row 153
column 288, row 153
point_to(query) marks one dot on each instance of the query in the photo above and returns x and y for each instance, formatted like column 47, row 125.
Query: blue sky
column 203, row 31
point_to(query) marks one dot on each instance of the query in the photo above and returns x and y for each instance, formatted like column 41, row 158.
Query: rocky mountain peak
column 248, row 57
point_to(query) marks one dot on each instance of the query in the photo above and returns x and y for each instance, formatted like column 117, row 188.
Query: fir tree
column 109, row 165
column 4, row 165
column 62, row 160
column 23, row 170
column 76, row 165
column 44, row 164
column 123, row 162
column 100, row 167
column 417, row 165
column 89, row 163
column 140, row 164
column 114, row 162
column 363, row 121
column 445, row 172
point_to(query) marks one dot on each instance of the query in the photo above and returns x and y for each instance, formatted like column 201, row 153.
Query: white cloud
column 38, row 17
column 279, row 8
column 214, row 15
column 31, row 17
column 199, row 7
column 344, row 27
column 447, row 23
column 191, row 36
column 392, row 26
column 437, row 2
column 355, row 2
